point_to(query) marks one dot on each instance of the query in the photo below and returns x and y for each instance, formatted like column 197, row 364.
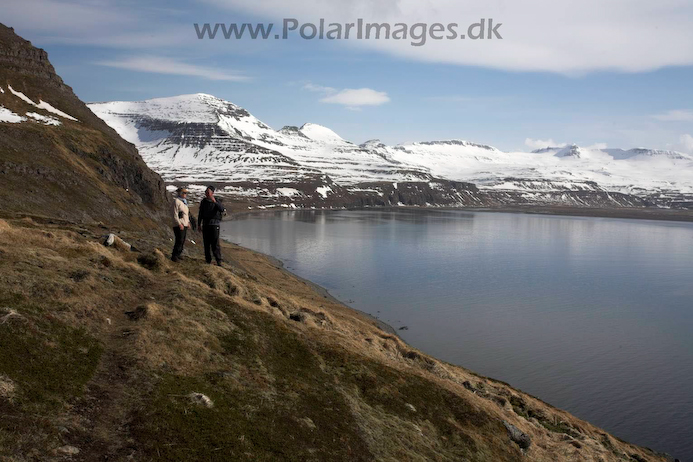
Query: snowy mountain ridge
column 199, row 138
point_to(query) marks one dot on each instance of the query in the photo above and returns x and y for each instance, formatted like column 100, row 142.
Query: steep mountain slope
column 199, row 138
column 57, row 159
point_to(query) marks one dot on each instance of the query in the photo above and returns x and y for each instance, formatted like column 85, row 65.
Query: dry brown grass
column 248, row 329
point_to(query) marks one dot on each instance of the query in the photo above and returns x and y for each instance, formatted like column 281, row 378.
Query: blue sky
column 580, row 72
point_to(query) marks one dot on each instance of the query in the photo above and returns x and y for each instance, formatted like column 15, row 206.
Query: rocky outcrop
column 19, row 57
column 78, row 169
column 517, row 436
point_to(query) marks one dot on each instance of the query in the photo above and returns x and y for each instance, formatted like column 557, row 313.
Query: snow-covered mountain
column 196, row 139
column 201, row 138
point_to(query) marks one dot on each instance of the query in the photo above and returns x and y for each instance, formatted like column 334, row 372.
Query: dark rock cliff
column 78, row 170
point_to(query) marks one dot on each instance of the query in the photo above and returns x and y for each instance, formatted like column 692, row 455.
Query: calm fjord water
column 592, row 315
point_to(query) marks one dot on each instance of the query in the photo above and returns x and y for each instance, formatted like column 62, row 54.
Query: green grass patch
column 390, row 390
column 48, row 361
column 277, row 405
column 49, row 364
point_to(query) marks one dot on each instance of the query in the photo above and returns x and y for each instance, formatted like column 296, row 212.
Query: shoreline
column 279, row 264
column 679, row 215
column 684, row 216
column 388, row 329
column 320, row 290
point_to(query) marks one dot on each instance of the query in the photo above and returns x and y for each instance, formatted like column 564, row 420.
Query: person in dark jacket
column 208, row 221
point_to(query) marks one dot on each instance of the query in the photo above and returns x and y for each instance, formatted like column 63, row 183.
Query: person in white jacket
column 181, row 222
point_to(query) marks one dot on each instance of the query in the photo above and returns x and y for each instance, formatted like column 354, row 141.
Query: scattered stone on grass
column 516, row 435
column 7, row 388
column 68, row 450
column 114, row 241
column 200, row 399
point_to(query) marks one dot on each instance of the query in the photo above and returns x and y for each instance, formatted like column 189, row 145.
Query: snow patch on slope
column 10, row 117
column 47, row 107
column 323, row 190
column 46, row 120
column 20, row 95
column 289, row 192
column 41, row 105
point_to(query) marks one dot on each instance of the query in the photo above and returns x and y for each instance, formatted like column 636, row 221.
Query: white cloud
column 686, row 143
column 357, row 97
column 351, row 98
column 95, row 23
column 162, row 65
column 72, row 18
column 538, row 35
column 675, row 115
column 318, row 88
column 541, row 144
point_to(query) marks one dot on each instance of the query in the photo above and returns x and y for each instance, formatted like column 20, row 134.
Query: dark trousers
column 180, row 242
column 210, row 236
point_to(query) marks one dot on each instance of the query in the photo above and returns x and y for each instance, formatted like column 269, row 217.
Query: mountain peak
column 456, row 142
column 320, row 133
column 571, row 150
column 372, row 144
column 205, row 95
column 291, row 130
column 190, row 108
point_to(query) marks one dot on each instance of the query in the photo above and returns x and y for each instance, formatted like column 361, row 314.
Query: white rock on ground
column 68, row 450
column 200, row 399
column 7, row 387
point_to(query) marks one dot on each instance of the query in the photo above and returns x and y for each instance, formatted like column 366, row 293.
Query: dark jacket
column 210, row 213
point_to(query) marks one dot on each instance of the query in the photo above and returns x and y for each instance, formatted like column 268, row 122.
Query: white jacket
column 181, row 213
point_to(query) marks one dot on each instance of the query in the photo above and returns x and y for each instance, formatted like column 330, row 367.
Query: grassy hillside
column 102, row 349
